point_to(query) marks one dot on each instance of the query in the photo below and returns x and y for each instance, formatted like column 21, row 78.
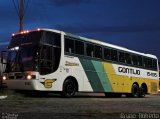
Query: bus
column 48, row 60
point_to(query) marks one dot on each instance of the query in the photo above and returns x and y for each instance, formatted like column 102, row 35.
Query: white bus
column 52, row 60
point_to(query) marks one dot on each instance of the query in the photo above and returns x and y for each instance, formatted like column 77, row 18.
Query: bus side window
column 127, row 58
column 98, row 51
column 114, row 56
column 139, row 59
column 52, row 38
column 46, row 52
column 79, row 47
column 121, row 57
column 45, row 62
column 147, row 62
column 69, row 45
column 90, row 50
column 154, row 64
column 134, row 60
column 107, row 54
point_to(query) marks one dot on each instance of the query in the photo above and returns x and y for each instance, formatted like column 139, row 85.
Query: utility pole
column 20, row 7
column 21, row 14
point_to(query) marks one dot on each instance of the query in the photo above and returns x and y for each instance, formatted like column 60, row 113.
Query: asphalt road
column 82, row 106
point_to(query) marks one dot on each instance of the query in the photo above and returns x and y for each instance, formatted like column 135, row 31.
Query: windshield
column 23, row 51
column 22, row 58
column 35, row 51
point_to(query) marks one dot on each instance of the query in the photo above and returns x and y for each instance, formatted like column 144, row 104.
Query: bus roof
column 101, row 43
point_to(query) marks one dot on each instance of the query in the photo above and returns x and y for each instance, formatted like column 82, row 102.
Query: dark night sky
column 134, row 24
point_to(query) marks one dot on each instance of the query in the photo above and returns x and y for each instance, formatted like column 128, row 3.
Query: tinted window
column 121, row 57
column 49, row 59
column 69, row 45
column 147, row 62
column 139, row 60
column 79, row 47
column 107, row 54
column 114, row 55
column 33, row 37
column 98, row 52
column 134, row 60
column 51, row 38
column 128, row 58
column 45, row 60
column 90, row 50
column 154, row 64
column 46, row 52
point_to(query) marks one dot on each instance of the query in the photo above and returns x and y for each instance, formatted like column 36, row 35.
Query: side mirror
column 2, row 57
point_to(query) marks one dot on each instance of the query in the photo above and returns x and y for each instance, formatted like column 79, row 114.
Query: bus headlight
column 29, row 77
column 4, row 77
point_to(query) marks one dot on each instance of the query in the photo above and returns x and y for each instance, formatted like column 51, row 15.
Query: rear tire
column 69, row 88
column 142, row 91
column 134, row 91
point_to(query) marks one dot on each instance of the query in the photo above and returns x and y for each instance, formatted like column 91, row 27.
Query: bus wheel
column 142, row 91
column 69, row 88
column 135, row 91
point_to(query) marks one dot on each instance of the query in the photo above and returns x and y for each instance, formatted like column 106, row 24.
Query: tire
column 142, row 91
column 135, row 91
column 69, row 88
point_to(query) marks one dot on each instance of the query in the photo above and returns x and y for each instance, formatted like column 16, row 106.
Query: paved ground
column 83, row 106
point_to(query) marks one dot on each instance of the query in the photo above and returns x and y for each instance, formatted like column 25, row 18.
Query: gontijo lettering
column 128, row 70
